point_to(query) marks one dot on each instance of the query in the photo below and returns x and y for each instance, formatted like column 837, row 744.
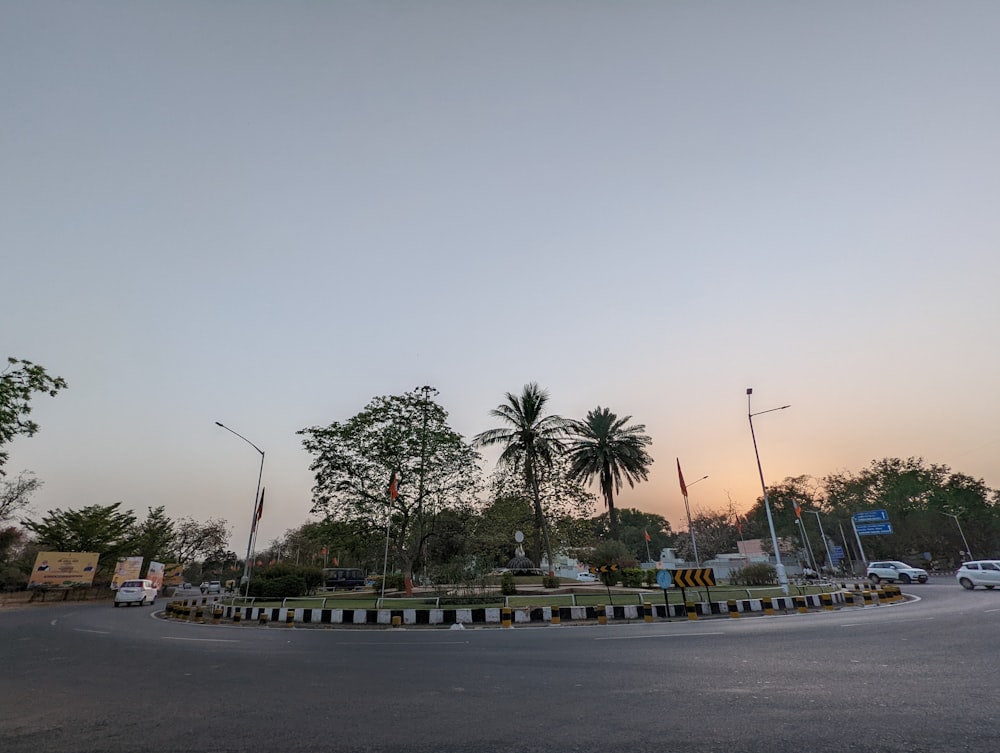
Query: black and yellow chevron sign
column 694, row 577
column 604, row 569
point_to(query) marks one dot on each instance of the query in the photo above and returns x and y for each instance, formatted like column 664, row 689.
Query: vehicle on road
column 893, row 570
column 214, row 587
column 587, row 577
column 979, row 573
column 141, row 592
column 347, row 578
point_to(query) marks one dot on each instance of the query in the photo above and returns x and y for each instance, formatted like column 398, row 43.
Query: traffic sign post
column 871, row 516
column 694, row 578
column 874, row 529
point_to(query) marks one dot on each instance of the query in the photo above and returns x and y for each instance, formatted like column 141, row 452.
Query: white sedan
column 587, row 577
column 141, row 592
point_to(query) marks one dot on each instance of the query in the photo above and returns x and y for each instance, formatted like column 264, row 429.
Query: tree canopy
column 397, row 456
column 19, row 381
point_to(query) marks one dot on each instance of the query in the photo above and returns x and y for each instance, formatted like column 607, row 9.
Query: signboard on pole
column 128, row 568
column 874, row 529
column 871, row 516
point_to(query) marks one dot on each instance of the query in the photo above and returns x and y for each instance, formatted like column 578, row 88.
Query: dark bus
column 347, row 578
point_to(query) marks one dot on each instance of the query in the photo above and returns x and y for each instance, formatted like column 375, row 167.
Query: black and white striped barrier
column 557, row 615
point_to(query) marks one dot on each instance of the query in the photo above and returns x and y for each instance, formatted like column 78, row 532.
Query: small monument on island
column 520, row 564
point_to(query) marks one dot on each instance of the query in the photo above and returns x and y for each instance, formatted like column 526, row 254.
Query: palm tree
column 604, row 447
column 530, row 442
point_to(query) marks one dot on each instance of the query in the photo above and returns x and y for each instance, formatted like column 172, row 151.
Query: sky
column 266, row 214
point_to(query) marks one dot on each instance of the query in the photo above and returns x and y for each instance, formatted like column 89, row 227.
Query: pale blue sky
column 268, row 213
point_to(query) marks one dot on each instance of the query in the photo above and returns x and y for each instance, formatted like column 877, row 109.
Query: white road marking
column 99, row 632
column 664, row 635
column 202, row 640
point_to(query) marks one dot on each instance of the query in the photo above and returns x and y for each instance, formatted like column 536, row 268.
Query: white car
column 587, row 578
column 894, row 570
column 141, row 592
column 979, row 573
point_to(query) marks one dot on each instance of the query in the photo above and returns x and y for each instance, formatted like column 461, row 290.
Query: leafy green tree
column 402, row 437
column 491, row 539
column 105, row 529
column 918, row 498
column 633, row 525
column 154, row 537
column 18, row 382
column 530, row 443
column 568, row 507
column 605, row 447
column 614, row 556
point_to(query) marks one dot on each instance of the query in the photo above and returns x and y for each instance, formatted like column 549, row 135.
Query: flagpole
column 649, row 557
column 687, row 508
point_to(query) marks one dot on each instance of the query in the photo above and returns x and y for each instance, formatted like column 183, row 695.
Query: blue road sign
column 870, row 516
column 838, row 553
column 874, row 529
column 664, row 579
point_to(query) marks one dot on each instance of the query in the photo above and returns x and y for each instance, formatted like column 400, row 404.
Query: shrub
column 632, row 577
column 650, row 578
column 756, row 574
column 285, row 581
column 393, row 581
column 507, row 585
column 550, row 581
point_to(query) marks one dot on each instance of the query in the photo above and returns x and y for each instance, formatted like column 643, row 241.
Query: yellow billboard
column 155, row 574
column 128, row 568
column 63, row 569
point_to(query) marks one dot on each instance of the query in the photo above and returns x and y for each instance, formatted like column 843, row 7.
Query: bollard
column 733, row 607
column 199, row 614
column 289, row 617
column 262, row 617
column 647, row 612
column 800, row 604
column 827, row 601
column 397, row 621
column 505, row 617
column 602, row 615
column 236, row 615
column 768, row 606
column 216, row 614
column 692, row 610
column 556, row 616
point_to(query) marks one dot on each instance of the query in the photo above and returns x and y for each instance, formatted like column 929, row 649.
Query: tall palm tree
column 605, row 448
column 531, row 441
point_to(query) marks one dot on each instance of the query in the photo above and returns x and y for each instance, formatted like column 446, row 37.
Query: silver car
column 894, row 570
column 979, row 573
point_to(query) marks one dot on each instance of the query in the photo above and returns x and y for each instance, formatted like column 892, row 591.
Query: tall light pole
column 779, row 568
column 245, row 580
column 829, row 559
column 964, row 540
column 687, row 508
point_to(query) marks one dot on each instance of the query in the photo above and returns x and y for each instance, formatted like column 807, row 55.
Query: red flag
column 798, row 509
column 739, row 525
column 260, row 507
column 323, row 551
column 393, row 491
column 684, row 489
column 646, row 534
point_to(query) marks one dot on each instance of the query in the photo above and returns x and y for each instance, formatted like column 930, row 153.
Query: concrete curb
column 206, row 610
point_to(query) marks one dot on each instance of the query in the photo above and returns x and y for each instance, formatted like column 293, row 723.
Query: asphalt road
column 920, row 676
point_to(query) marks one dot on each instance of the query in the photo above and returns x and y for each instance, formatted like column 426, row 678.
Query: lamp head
column 749, row 390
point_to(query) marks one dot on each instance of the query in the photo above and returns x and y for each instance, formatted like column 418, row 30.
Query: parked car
column 979, row 573
column 141, row 592
column 894, row 570
column 587, row 577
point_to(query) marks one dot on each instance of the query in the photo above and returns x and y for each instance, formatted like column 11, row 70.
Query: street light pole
column 829, row 559
column 245, row 580
column 779, row 568
column 687, row 508
column 964, row 540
